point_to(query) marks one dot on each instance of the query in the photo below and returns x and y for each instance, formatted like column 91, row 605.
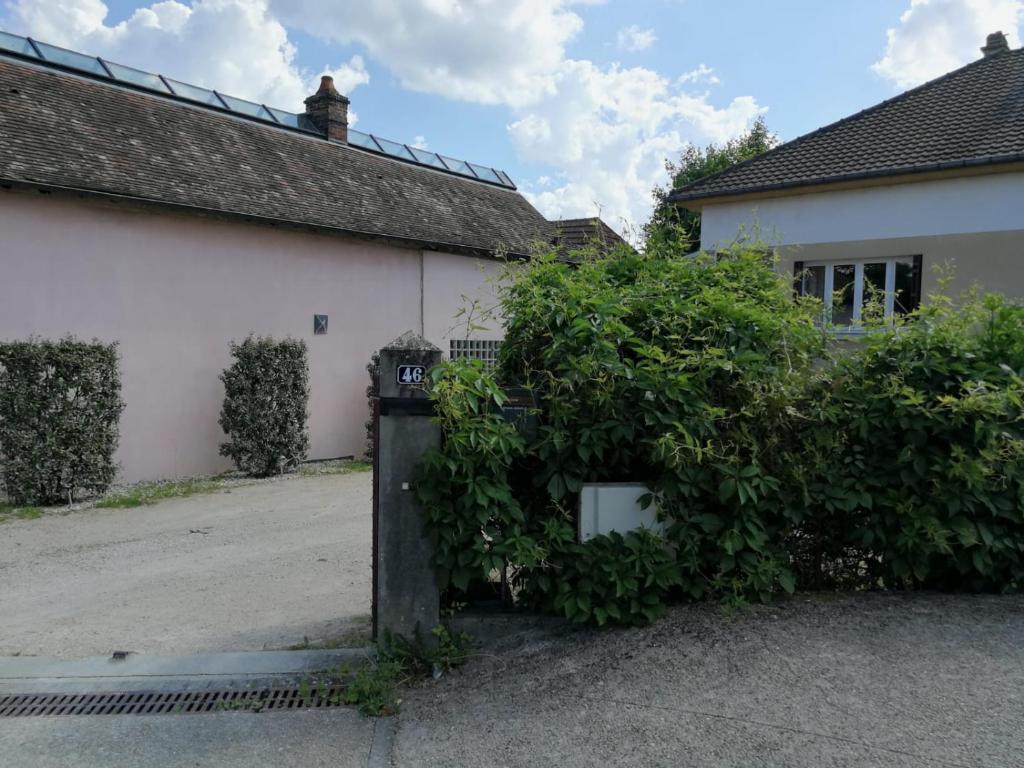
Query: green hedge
column 60, row 403
column 266, row 399
column 777, row 460
column 914, row 468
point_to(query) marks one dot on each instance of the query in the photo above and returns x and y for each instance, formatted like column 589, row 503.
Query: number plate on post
column 411, row 374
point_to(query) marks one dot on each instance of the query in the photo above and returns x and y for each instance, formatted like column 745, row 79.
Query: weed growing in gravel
column 10, row 512
column 150, row 493
column 374, row 688
column 314, row 469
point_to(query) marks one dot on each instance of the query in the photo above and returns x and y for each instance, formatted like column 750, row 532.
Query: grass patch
column 358, row 636
column 335, row 468
column 150, row 493
column 10, row 512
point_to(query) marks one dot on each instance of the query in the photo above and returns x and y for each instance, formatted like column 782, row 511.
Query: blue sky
column 580, row 102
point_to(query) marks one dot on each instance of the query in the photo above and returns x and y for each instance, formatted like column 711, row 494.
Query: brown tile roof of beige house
column 972, row 116
column 572, row 234
column 65, row 131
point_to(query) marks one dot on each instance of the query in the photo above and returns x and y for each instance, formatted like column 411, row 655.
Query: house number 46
column 411, row 374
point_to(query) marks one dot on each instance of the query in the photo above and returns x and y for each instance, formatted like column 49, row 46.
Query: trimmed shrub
column 673, row 372
column 915, row 460
column 266, row 398
column 60, row 404
column 776, row 459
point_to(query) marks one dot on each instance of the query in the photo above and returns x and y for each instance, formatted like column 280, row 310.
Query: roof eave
column 967, row 167
column 456, row 248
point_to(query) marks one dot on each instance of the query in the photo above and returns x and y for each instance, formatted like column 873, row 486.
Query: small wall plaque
column 410, row 374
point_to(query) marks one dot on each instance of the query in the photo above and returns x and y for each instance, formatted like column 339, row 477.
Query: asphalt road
column 251, row 568
column 911, row 680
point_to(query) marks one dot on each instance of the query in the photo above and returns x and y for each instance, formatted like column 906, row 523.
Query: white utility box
column 607, row 507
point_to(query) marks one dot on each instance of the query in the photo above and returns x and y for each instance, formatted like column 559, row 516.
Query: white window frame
column 858, row 286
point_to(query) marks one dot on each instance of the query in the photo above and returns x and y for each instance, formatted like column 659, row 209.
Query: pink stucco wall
column 175, row 289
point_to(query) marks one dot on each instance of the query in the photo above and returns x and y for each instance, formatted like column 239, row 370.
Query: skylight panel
column 194, row 93
column 246, row 107
column 504, row 178
column 456, row 165
column 394, row 148
column 487, row 174
column 16, row 44
column 427, row 158
column 71, row 59
column 136, row 77
column 364, row 140
column 285, row 118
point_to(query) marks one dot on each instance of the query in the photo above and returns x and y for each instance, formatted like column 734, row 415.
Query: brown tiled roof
column 63, row 131
column 971, row 116
column 572, row 234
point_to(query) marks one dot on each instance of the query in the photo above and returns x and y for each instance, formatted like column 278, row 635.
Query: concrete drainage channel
column 167, row 703
column 306, row 721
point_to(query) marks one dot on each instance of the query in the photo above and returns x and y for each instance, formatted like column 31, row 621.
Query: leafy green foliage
column 681, row 227
column 609, row 579
column 649, row 368
column 266, row 397
column 776, row 459
column 60, row 404
column 375, row 689
column 917, row 468
column 475, row 522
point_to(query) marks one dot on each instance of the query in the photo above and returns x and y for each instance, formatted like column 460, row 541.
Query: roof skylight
column 108, row 70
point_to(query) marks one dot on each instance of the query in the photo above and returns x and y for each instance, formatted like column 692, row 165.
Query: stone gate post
column 405, row 592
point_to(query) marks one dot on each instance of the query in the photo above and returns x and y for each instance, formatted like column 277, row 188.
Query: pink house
column 173, row 219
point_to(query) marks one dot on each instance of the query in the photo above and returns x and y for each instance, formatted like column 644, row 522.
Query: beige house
column 172, row 219
column 883, row 197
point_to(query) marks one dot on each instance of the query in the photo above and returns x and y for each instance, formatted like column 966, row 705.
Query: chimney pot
column 995, row 44
column 328, row 110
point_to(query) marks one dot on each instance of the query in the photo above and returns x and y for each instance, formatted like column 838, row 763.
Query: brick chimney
column 994, row 44
column 328, row 110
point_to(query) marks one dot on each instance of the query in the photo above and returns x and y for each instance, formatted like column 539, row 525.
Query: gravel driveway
column 251, row 568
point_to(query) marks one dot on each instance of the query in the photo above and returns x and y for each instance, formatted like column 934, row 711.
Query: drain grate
column 168, row 702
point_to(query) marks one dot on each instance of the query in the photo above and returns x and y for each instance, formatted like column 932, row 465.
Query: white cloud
column 632, row 38
column 236, row 46
column 702, row 74
column 420, row 142
column 603, row 132
column 487, row 51
column 609, row 131
column 936, row 36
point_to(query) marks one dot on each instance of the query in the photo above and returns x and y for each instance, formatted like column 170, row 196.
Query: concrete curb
column 139, row 672
column 384, row 730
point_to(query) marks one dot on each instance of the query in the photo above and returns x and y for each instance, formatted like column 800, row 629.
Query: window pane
column 71, row 59
column 456, row 165
column 285, row 118
column 245, row 107
column 360, row 139
column 813, row 282
column 136, row 76
column 9, row 42
column 874, row 291
column 195, row 93
column 486, row 174
column 427, row 158
column 905, row 300
column 842, row 294
column 394, row 148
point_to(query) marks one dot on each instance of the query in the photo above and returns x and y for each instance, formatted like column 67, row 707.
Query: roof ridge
column 704, row 180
